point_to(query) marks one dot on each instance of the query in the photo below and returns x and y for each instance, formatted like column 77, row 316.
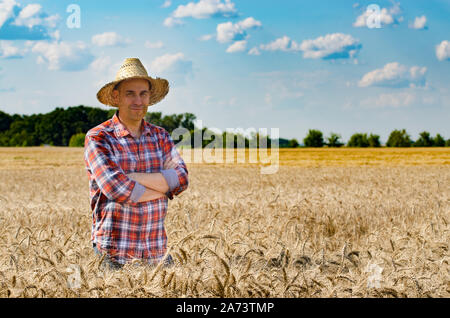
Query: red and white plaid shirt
column 121, row 227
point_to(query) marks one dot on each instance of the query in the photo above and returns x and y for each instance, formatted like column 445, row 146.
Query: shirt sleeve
column 111, row 179
column 172, row 178
column 180, row 172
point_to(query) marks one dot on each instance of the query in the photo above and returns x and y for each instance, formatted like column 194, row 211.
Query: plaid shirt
column 121, row 227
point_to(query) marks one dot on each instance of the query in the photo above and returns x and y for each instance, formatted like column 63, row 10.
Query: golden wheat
column 351, row 225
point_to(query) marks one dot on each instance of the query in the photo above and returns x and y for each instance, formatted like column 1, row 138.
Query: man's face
column 132, row 97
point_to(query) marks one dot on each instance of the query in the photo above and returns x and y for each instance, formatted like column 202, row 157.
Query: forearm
column 153, row 181
column 150, row 194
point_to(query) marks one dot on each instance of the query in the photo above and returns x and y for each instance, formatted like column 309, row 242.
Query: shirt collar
column 121, row 130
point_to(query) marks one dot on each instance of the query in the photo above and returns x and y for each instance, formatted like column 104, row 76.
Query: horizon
column 246, row 132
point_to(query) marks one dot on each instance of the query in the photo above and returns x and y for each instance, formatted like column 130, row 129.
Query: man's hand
column 169, row 164
column 154, row 181
column 150, row 194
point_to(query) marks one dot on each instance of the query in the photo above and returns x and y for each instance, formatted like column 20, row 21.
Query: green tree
column 77, row 140
column 334, row 140
column 95, row 116
column 424, row 140
column 5, row 121
column 293, row 143
column 374, row 141
column 154, row 118
column 54, row 128
column 22, row 132
column 188, row 121
column 358, row 140
column 438, row 141
column 110, row 113
column 447, row 143
column 399, row 138
column 283, row 142
column 171, row 122
column 314, row 138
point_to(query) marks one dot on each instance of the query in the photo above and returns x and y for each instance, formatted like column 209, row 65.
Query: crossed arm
column 156, row 184
column 134, row 187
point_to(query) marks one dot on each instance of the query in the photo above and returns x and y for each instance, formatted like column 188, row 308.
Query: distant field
column 32, row 157
column 329, row 223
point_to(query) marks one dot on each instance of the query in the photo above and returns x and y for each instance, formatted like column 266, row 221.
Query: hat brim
column 159, row 90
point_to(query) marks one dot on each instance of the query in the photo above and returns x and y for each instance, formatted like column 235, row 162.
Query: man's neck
column 134, row 127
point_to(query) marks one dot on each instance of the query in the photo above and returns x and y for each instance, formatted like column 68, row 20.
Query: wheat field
column 329, row 223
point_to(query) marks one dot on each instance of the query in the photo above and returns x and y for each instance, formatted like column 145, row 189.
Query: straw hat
column 133, row 68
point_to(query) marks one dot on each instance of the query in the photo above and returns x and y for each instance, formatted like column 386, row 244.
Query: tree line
column 397, row 138
column 67, row 127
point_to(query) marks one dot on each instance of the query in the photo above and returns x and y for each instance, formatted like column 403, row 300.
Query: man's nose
column 138, row 100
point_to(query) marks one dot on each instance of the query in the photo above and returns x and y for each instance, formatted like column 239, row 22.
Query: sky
column 337, row 66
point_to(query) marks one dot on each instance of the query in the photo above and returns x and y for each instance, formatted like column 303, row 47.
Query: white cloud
column 155, row 45
column 109, row 39
column 166, row 4
column 206, row 37
column 237, row 46
column 175, row 67
column 443, row 50
column 101, row 63
column 51, row 21
column 419, row 23
column 6, row 10
column 31, row 16
column 331, row 46
column 63, row 55
column 386, row 16
column 28, row 16
column 25, row 23
column 395, row 75
column 281, row 44
column 168, row 62
column 171, row 22
column 29, row 11
column 205, row 9
column 8, row 51
column 254, row 51
column 249, row 23
column 228, row 31
column 55, row 35
column 394, row 100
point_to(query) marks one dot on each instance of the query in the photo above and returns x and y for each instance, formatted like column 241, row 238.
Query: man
column 133, row 168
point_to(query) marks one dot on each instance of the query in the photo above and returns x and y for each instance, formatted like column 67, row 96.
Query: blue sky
column 337, row 66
